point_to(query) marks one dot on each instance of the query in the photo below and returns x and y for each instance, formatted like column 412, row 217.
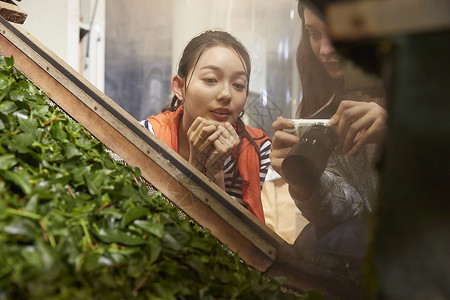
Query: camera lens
column 308, row 158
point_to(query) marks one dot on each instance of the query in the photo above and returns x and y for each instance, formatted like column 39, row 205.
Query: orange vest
column 165, row 127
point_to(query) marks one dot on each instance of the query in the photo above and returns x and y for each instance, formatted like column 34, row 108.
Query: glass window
column 144, row 41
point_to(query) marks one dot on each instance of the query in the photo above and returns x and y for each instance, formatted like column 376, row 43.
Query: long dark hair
column 197, row 46
column 322, row 93
column 318, row 87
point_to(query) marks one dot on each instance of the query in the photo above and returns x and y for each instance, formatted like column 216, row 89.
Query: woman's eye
column 240, row 86
column 209, row 80
column 314, row 35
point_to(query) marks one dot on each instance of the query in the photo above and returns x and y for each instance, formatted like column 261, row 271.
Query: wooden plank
column 161, row 166
column 366, row 19
column 12, row 13
column 335, row 276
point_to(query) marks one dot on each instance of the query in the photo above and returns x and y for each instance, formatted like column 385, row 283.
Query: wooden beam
column 12, row 13
column 367, row 19
column 335, row 276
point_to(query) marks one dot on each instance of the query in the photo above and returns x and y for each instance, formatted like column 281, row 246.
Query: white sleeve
column 272, row 174
column 147, row 125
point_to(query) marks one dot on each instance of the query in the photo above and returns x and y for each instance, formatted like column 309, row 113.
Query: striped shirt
column 233, row 187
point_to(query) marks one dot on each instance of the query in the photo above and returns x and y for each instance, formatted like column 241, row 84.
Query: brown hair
column 195, row 49
column 317, row 85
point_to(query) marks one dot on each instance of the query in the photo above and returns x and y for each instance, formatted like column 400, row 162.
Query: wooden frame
column 367, row 19
column 191, row 191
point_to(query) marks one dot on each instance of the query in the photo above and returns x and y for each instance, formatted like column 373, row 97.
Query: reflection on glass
column 143, row 52
column 142, row 57
column 290, row 79
column 203, row 121
column 337, row 197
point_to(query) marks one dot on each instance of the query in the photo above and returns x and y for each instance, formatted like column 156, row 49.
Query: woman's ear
column 177, row 87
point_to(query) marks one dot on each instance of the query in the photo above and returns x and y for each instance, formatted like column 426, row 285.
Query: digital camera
column 308, row 158
column 301, row 125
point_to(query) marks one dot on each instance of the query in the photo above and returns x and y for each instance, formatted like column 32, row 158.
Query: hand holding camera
column 302, row 125
column 308, row 158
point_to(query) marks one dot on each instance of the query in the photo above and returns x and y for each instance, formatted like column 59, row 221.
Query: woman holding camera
column 347, row 189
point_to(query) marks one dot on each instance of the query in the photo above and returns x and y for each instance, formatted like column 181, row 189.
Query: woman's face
column 217, row 87
column 322, row 45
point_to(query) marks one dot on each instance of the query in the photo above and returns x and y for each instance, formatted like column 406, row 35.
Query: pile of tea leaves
column 76, row 224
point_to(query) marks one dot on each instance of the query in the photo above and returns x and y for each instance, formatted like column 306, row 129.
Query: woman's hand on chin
column 210, row 144
column 223, row 145
column 201, row 136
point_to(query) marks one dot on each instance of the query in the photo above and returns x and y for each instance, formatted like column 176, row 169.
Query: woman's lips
column 221, row 114
column 332, row 66
column 332, row 63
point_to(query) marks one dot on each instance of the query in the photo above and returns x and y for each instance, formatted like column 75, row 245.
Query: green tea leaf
column 115, row 235
column 7, row 106
column 71, row 151
column 17, row 95
column 134, row 213
column 85, row 143
column 157, row 229
column 7, row 161
column 59, row 132
column 21, row 142
column 5, row 85
column 4, row 122
column 201, row 244
column 21, row 227
column 20, row 178
column 29, row 127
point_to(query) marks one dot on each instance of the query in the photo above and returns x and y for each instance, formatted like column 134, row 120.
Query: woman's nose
column 225, row 93
column 327, row 47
